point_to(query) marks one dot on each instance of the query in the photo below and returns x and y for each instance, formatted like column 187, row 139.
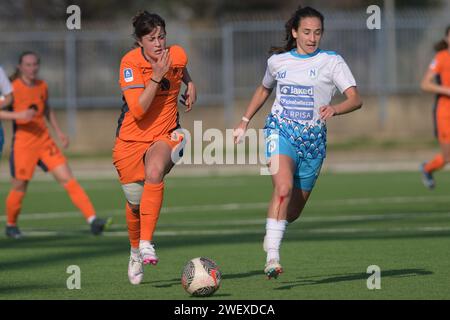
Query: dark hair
column 443, row 44
column 293, row 23
column 144, row 22
column 16, row 73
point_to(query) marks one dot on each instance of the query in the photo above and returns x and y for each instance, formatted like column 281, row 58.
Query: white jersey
column 305, row 83
column 5, row 85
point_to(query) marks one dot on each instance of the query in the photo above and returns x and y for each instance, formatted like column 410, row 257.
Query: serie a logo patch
column 128, row 75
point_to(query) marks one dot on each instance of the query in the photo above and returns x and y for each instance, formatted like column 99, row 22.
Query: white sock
column 135, row 252
column 91, row 218
column 274, row 234
column 144, row 243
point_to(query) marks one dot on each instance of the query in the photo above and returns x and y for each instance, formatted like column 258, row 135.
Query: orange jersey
column 25, row 97
column 162, row 116
column 441, row 66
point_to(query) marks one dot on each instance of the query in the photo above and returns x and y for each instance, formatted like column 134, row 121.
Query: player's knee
column 133, row 193
column 283, row 190
column 154, row 175
column 64, row 180
column 19, row 185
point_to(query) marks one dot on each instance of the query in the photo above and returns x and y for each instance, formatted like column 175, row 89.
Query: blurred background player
column 437, row 80
column 295, row 130
column 150, row 79
column 5, row 100
column 32, row 145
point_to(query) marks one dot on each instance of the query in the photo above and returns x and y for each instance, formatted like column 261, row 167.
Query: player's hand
column 239, row 132
column 26, row 115
column 161, row 66
column 189, row 97
column 327, row 112
column 64, row 140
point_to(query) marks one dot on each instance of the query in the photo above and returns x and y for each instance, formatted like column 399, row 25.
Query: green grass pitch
column 352, row 221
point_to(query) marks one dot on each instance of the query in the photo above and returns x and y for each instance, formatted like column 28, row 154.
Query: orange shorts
column 23, row 159
column 443, row 122
column 128, row 156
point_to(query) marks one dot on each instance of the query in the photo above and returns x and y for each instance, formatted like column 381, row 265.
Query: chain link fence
column 227, row 62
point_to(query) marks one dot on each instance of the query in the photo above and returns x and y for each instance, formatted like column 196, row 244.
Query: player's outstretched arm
column 259, row 98
column 6, row 101
column 429, row 85
column 351, row 103
column 26, row 115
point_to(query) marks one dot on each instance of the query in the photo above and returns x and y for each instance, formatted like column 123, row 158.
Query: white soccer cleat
column 148, row 254
column 135, row 270
column 273, row 269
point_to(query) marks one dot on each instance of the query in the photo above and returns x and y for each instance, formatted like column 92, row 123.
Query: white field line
column 263, row 206
column 113, row 185
column 313, row 219
column 168, row 233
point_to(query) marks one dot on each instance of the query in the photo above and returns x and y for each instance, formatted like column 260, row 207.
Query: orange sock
column 80, row 199
column 435, row 164
column 151, row 202
column 13, row 206
column 134, row 226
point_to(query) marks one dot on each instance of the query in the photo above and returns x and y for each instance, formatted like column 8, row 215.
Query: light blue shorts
column 307, row 170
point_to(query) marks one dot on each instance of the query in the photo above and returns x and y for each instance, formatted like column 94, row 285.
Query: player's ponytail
column 443, row 44
column 293, row 23
column 16, row 73
column 144, row 22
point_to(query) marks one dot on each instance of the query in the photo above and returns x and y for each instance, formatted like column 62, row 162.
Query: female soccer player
column 437, row 80
column 32, row 145
column 150, row 79
column 306, row 78
column 5, row 100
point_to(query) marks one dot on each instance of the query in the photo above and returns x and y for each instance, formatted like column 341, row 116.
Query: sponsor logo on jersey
column 293, row 102
column 298, row 114
column 313, row 73
column 297, row 102
column 128, row 75
column 292, row 90
column 281, row 75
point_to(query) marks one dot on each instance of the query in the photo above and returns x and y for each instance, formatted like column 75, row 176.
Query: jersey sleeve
column 436, row 64
column 132, row 85
column 342, row 76
column 269, row 79
column 130, row 76
column 5, row 85
column 178, row 55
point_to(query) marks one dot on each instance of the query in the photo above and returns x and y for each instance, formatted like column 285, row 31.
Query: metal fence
column 228, row 62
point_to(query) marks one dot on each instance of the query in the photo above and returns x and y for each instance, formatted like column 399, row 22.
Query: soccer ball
column 201, row 277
